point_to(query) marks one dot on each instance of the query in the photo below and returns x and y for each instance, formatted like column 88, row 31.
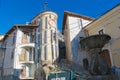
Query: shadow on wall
column 62, row 50
column 40, row 73
column 14, row 76
column 77, row 51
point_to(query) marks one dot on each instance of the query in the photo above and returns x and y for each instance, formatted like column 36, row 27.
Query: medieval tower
column 46, row 39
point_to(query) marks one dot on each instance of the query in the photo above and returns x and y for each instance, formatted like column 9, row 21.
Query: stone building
column 46, row 39
column 25, row 46
column 72, row 32
column 108, row 23
column 18, row 49
column 75, row 27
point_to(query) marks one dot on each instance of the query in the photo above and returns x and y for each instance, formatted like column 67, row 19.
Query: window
column 24, row 38
column 38, row 29
column 31, row 54
column 54, row 36
column 101, row 31
column 51, row 36
column 50, row 16
column 46, row 22
column 41, row 22
column 14, row 38
column 2, row 53
column 24, row 35
column 35, row 22
column 39, row 40
column 45, row 37
column 46, row 55
column 12, row 55
column 32, row 36
column 39, row 54
column 52, row 51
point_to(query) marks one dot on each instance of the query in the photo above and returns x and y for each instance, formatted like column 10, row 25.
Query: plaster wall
column 47, row 36
column 9, row 55
column 72, row 37
column 110, row 23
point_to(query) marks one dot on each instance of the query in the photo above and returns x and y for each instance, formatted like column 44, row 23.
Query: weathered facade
column 46, row 39
column 18, row 49
column 72, row 31
column 26, row 46
column 108, row 23
column 76, row 27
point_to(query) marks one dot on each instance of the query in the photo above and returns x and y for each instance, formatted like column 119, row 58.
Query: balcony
column 27, row 72
column 27, row 62
column 27, row 45
column 27, row 40
column 26, row 56
column 28, row 78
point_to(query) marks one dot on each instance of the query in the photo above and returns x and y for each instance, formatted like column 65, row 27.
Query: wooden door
column 106, row 56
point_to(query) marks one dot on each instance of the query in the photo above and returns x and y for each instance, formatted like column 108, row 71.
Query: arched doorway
column 85, row 63
column 106, row 56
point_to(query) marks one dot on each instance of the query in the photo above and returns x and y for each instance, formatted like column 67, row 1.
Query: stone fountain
column 98, row 67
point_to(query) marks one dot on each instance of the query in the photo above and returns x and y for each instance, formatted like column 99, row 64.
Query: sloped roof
column 67, row 13
column 18, row 26
column 104, row 14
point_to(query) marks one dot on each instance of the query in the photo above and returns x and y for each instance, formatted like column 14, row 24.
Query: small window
column 45, row 37
column 25, row 35
column 12, row 55
column 38, row 29
column 52, row 46
column 101, row 31
column 46, row 22
column 34, row 22
column 50, row 16
column 14, row 38
column 46, row 50
column 51, row 36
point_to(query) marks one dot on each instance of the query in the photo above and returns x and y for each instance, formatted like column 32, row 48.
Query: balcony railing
column 27, row 45
column 27, row 62
column 28, row 78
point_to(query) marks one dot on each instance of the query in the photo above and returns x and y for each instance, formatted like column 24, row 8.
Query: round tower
column 48, row 42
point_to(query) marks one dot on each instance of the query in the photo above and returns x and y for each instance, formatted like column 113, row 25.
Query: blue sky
column 22, row 11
